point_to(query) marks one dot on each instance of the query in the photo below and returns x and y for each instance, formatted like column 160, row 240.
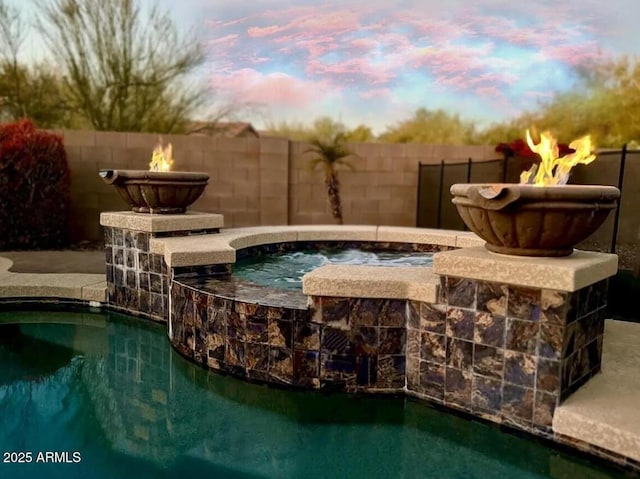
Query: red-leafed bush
column 519, row 148
column 34, row 187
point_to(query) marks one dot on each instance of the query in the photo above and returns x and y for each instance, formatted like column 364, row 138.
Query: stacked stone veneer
column 508, row 354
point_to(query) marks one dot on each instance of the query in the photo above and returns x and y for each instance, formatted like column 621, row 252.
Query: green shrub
column 34, row 187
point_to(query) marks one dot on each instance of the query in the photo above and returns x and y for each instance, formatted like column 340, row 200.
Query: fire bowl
column 163, row 192
column 527, row 220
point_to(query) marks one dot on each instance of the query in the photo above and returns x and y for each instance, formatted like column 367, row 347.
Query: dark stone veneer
column 504, row 353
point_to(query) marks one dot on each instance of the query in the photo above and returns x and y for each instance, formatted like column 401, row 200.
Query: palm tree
column 330, row 154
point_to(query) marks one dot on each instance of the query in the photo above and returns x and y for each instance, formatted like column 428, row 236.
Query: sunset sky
column 377, row 61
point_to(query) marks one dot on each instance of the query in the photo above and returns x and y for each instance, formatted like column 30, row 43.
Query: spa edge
column 500, row 337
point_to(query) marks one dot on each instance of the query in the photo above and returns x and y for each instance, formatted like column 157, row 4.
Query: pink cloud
column 251, row 86
column 264, row 31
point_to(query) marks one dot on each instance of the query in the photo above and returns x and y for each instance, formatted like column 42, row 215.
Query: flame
column 553, row 170
column 162, row 158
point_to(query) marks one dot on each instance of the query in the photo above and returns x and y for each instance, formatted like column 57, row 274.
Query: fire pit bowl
column 527, row 220
column 163, row 192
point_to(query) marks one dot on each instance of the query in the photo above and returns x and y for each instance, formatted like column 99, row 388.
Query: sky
column 377, row 61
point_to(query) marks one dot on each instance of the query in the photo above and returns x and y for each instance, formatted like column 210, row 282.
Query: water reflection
column 112, row 388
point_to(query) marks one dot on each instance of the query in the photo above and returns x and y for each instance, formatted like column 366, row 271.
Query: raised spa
column 285, row 269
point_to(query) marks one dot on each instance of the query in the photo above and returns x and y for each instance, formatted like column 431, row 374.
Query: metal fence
column 620, row 168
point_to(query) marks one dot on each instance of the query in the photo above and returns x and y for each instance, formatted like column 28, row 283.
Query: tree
column 329, row 154
column 122, row 70
column 33, row 92
column 360, row 134
column 431, row 126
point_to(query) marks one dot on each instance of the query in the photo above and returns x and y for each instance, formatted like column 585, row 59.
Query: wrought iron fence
column 620, row 168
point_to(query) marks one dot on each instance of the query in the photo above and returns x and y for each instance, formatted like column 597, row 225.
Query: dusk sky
column 377, row 61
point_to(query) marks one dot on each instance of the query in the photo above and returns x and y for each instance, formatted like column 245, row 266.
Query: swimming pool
column 110, row 388
column 285, row 269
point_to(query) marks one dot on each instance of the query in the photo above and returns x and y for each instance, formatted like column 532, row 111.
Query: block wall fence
column 257, row 181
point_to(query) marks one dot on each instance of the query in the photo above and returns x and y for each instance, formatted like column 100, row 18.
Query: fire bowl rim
column 157, row 192
column 506, row 224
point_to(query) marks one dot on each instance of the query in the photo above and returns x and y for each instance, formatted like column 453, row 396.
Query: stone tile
column 367, row 370
column 364, row 312
column 413, row 374
column 155, row 281
column 306, row 365
column 517, row 403
column 490, row 330
column 433, row 347
column 235, row 353
column 414, row 341
column 413, row 314
column 432, row 379
column 306, row 335
column 280, row 365
column 335, row 312
column 393, row 313
column 523, row 303
column 459, row 353
column 433, row 318
column 522, row 335
column 363, row 340
column 492, row 298
column 392, row 340
column 551, row 340
column 460, row 292
column 216, row 345
column 338, row 367
column 236, row 325
column 335, row 341
column 391, row 371
column 486, row 394
column 554, row 306
column 256, row 313
column 574, row 338
column 548, row 376
column 144, row 281
column 457, row 388
column 460, row 323
column 488, row 361
column 280, row 333
column 257, row 333
column 519, row 369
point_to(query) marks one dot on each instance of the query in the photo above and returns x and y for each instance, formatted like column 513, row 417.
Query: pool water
column 285, row 270
column 110, row 388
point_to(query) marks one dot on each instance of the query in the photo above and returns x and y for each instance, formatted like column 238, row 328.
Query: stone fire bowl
column 163, row 192
column 527, row 220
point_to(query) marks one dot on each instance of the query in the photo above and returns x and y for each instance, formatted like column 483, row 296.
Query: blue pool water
column 109, row 388
column 285, row 270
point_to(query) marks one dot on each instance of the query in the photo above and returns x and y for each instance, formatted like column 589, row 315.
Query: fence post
column 623, row 160
column 440, row 193
column 419, row 194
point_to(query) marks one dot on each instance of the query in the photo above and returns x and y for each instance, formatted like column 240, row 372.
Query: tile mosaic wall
column 338, row 344
column 138, row 281
column 505, row 353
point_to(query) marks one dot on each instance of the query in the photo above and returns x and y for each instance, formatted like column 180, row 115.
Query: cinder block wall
column 257, row 181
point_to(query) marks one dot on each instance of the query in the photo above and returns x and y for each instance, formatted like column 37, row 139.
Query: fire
column 553, row 170
column 162, row 158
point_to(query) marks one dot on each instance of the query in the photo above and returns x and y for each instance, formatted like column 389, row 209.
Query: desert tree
column 124, row 68
column 330, row 154
column 32, row 91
